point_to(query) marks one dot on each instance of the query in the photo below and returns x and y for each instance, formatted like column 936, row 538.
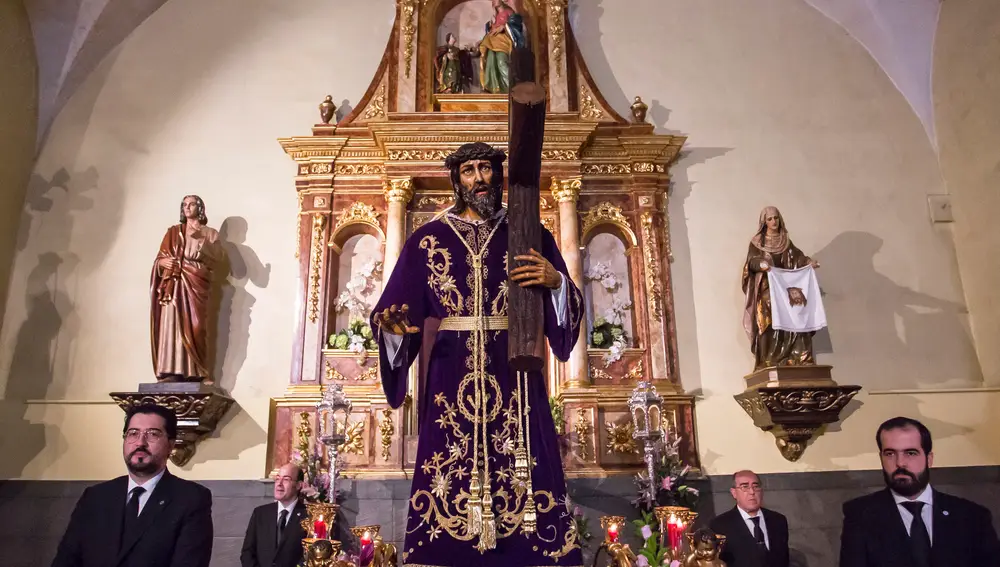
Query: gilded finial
column 327, row 109
column 639, row 109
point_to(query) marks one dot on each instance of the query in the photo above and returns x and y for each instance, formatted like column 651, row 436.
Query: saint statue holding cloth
column 783, row 308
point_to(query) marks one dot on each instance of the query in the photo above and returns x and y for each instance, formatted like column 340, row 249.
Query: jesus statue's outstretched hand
column 394, row 321
column 539, row 271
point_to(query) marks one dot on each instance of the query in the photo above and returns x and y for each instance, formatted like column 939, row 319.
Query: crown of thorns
column 475, row 150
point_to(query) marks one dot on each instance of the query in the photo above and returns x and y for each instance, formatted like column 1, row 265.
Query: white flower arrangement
column 357, row 337
column 609, row 330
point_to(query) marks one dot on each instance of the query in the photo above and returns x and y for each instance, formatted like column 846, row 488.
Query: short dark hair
column 902, row 423
column 168, row 415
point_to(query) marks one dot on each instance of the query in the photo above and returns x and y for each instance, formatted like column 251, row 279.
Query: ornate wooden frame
column 346, row 171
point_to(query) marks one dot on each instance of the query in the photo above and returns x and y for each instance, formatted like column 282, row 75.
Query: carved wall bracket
column 793, row 403
column 198, row 408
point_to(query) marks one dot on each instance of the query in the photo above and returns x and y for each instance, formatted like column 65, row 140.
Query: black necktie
column 758, row 534
column 132, row 510
column 920, row 540
column 282, row 518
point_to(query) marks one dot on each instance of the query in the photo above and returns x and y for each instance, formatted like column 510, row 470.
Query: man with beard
column 910, row 524
column 755, row 536
column 487, row 490
column 148, row 518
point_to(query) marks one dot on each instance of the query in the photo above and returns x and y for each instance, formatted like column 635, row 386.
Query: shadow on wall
column 236, row 303
column 896, row 338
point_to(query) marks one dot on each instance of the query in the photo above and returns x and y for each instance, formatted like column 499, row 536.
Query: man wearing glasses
column 755, row 536
column 148, row 518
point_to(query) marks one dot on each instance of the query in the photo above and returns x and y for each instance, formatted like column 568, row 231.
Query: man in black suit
column 148, row 518
column 274, row 535
column 755, row 536
column 909, row 524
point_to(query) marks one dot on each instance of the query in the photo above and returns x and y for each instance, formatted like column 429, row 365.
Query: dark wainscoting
column 33, row 514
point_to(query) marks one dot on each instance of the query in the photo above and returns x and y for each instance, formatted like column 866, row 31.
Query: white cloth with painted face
column 796, row 303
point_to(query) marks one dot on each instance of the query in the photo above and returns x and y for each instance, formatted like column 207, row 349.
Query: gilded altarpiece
column 379, row 171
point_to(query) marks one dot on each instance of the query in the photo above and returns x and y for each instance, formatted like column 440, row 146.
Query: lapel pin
column 944, row 512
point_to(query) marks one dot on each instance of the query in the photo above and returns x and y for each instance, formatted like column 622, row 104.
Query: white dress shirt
column 763, row 526
column 149, row 485
column 291, row 512
column 927, row 512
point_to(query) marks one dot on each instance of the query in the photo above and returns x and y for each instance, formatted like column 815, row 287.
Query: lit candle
column 613, row 533
column 319, row 528
column 366, row 538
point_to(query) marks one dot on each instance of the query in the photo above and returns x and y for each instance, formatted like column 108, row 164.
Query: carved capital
column 566, row 190
column 398, row 190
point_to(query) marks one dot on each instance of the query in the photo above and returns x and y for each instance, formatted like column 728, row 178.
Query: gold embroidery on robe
column 441, row 280
column 441, row 510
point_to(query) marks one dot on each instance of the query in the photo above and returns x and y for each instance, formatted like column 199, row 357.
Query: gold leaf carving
column 360, row 169
column 556, row 29
column 643, row 167
column 421, row 220
column 320, row 168
column 407, row 8
column 583, row 429
column 424, row 201
column 560, row 155
column 333, row 374
column 589, row 110
column 376, row 108
column 549, row 223
column 607, row 169
column 399, row 190
column 355, row 442
column 316, row 265
column 359, row 212
column 660, row 168
column 620, row 439
column 566, row 190
column 387, row 429
column 417, row 155
column 635, row 373
column 604, row 212
column 599, row 374
column 369, row 374
column 652, row 258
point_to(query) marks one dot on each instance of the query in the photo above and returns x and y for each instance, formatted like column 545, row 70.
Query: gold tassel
column 530, row 522
column 488, row 537
column 520, row 464
column 475, row 507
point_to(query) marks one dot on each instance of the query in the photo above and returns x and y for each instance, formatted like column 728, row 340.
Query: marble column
column 566, row 192
column 398, row 192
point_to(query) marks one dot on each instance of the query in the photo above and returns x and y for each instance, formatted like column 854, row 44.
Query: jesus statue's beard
column 486, row 204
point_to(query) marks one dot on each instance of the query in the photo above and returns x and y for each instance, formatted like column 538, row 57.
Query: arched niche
column 610, row 244
column 353, row 245
column 437, row 17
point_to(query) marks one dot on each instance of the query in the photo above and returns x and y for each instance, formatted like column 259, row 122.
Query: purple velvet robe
column 433, row 277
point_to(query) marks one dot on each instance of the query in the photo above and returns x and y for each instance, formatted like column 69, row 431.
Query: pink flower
column 646, row 532
column 667, row 483
column 675, row 563
column 577, row 511
column 641, row 561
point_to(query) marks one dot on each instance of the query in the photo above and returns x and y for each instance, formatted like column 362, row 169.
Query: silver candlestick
column 331, row 431
column 644, row 406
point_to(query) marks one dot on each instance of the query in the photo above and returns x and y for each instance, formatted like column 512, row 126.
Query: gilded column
column 566, row 192
column 398, row 192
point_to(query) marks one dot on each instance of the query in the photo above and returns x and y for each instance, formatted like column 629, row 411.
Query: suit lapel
column 115, row 513
column 746, row 539
column 158, row 501
column 897, row 543
column 943, row 531
column 267, row 531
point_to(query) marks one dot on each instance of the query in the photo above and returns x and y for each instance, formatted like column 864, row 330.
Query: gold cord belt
column 491, row 323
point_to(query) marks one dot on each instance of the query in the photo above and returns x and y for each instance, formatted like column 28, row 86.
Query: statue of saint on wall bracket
column 787, row 394
column 184, row 294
